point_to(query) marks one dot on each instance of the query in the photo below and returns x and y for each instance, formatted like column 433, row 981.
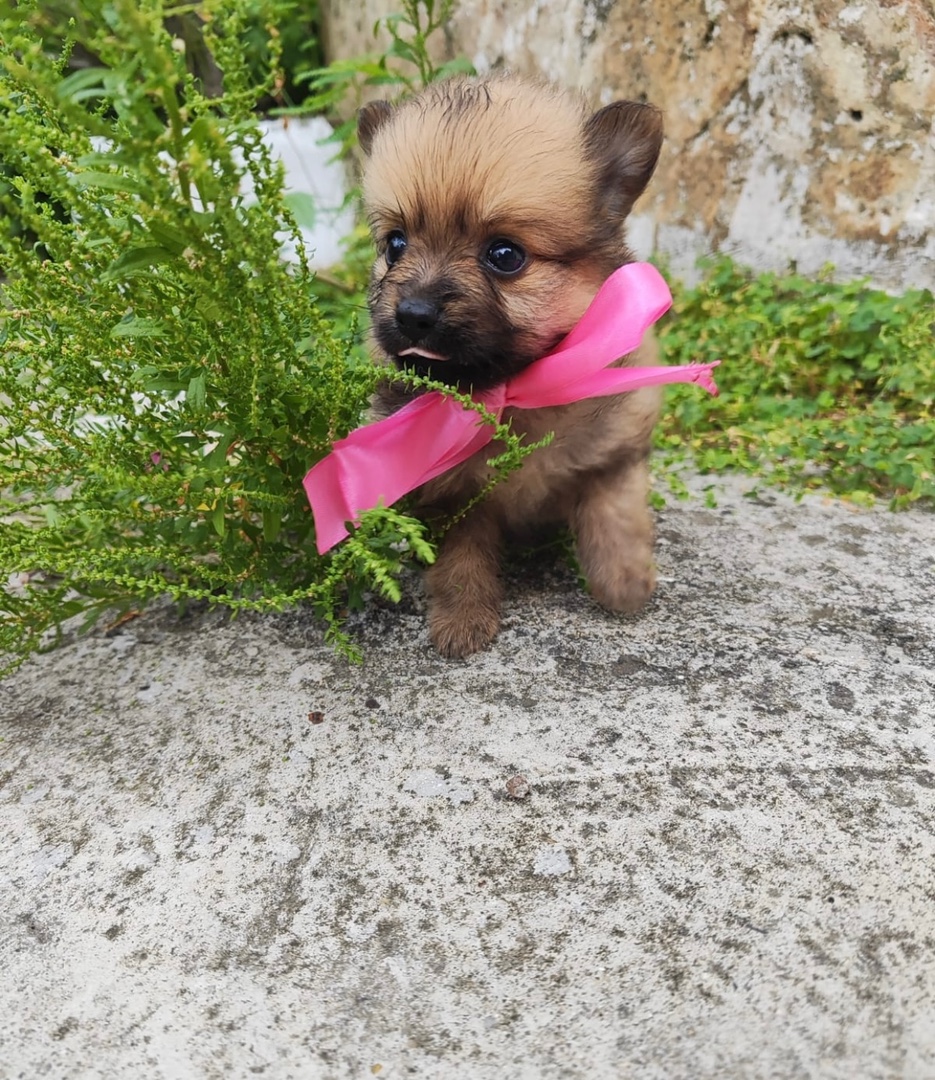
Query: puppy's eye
column 395, row 246
column 505, row 257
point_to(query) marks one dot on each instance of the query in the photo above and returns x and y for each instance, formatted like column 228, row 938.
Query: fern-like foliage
column 165, row 378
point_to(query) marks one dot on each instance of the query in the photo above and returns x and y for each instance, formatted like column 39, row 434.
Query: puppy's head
column 497, row 209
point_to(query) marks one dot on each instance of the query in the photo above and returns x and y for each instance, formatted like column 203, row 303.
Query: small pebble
column 517, row 787
column 316, row 717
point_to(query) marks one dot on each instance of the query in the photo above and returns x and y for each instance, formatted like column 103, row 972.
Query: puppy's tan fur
column 465, row 164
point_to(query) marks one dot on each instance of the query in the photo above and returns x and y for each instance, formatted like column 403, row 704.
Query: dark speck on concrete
column 841, row 697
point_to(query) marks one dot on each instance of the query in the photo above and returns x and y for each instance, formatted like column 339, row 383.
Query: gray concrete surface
column 723, row 865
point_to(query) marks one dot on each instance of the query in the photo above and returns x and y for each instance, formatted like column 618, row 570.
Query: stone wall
column 797, row 132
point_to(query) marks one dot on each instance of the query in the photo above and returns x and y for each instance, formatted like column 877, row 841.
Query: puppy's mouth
column 471, row 358
column 420, row 354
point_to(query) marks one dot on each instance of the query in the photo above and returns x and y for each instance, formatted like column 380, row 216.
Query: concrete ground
column 697, row 843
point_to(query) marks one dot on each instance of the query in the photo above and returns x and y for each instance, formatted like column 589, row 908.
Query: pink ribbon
column 381, row 462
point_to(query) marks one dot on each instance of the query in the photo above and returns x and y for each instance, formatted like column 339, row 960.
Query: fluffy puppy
column 497, row 207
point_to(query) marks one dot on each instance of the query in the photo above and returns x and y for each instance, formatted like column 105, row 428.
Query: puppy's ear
column 623, row 140
column 369, row 121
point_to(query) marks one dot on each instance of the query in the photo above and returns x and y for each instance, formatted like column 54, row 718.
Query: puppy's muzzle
column 416, row 317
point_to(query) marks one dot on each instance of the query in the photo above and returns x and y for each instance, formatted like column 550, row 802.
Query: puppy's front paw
column 615, row 538
column 464, row 589
column 460, row 633
column 623, row 588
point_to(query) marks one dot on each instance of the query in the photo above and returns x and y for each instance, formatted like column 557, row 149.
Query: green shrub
column 166, row 379
column 294, row 29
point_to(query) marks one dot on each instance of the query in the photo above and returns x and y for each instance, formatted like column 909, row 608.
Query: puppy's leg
column 464, row 588
column 614, row 533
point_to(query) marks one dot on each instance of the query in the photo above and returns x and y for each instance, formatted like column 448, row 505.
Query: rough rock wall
column 797, row 132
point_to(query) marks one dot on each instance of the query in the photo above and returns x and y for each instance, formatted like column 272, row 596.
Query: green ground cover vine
column 823, row 384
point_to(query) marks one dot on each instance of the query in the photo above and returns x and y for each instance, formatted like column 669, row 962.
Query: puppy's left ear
column 623, row 140
column 369, row 121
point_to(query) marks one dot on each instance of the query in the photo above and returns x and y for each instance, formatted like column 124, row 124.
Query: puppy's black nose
column 416, row 317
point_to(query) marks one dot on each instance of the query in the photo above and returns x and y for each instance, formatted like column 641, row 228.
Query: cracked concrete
column 694, row 843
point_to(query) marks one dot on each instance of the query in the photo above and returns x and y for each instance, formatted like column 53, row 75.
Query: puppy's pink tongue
column 423, row 353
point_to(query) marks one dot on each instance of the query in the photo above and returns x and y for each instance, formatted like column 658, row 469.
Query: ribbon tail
column 381, row 462
column 325, row 491
column 621, row 380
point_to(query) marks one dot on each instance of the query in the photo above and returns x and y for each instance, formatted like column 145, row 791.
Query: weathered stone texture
column 797, row 132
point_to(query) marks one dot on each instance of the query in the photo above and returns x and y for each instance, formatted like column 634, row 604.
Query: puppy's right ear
column 369, row 121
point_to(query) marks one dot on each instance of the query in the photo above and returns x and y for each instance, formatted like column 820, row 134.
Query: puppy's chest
column 587, row 437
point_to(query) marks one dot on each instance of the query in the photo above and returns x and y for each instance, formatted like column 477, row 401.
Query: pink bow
column 429, row 436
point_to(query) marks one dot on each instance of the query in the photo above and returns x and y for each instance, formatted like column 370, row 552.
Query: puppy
column 497, row 206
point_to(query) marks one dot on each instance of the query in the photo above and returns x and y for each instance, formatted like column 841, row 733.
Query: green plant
column 166, row 379
column 404, row 65
column 294, row 31
column 822, row 384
